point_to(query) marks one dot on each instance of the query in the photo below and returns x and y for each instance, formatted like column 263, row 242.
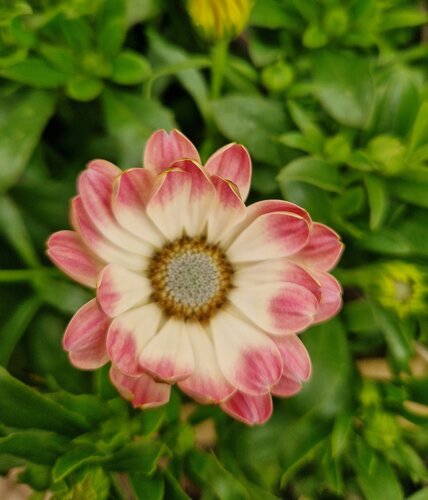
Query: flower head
column 220, row 19
column 402, row 287
column 193, row 287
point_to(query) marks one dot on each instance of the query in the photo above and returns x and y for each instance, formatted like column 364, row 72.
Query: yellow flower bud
column 220, row 19
column 403, row 287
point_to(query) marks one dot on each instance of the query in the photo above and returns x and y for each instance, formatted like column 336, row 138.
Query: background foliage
column 331, row 99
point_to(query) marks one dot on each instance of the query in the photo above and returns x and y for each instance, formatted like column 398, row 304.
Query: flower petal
column 181, row 202
column 249, row 409
column 227, row 210
column 270, row 236
column 232, row 162
column 129, row 333
column 323, row 249
column 163, row 149
column 120, row 289
column 278, row 308
column 297, row 363
column 248, row 358
column 104, row 249
column 67, row 251
column 207, row 382
column 276, row 270
column 96, row 190
column 286, row 387
column 85, row 337
column 131, row 193
column 142, row 391
column 331, row 297
column 168, row 356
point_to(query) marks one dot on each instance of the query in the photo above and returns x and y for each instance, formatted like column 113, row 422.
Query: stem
column 219, row 59
column 18, row 275
column 195, row 63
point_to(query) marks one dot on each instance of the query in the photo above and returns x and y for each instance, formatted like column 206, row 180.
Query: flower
column 193, row 287
column 401, row 286
column 220, row 19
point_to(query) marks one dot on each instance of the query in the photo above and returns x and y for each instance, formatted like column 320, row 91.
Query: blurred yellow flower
column 220, row 19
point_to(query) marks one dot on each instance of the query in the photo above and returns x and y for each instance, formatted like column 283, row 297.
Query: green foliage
column 330, row 98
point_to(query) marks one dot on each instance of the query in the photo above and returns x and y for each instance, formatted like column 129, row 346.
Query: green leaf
column 191, row 79
column 397, row 103
column 89, row 406
column 316, row 172
column 64, row 296
column 419, row 495
column 254, row 121
column 15, row 326
column 111, row 26
column 23, row 407
column 36, row 73
column 306, row 438
column 38, row 477
column 411, row 186
column 395, row 335
column 417, row 389
column 341, row 433
column 315, row 200
column 22, row 120
column 403, row 18
column 375, row 476
column 212, row 476
column 131, row 120
column 328, row 393
column 419, row 135
column 83, row 88
column 351, row 202
column 13, row 227
column 130, row 68
column 343, row 83
column 173, row 489
column 359, row 316
column 140, row 456
column 378, row 200
column 149, row 488
column 73, row 459
column 271, row 14
column 408, row 237
column 38, row 446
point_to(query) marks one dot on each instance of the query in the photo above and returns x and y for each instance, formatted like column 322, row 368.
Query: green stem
column 18, row 275
column 219, row 60
column 194, row 63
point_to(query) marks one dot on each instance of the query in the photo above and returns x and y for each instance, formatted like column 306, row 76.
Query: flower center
column 190, row 278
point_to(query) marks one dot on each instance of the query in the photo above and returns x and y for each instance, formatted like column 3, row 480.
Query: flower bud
column 220, row 19
column 401, row 286
column 277, row 77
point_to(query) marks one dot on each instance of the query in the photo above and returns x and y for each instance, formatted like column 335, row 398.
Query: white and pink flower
column 193, row 287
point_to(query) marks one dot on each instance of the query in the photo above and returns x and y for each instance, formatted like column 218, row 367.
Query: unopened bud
column 220, row 19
